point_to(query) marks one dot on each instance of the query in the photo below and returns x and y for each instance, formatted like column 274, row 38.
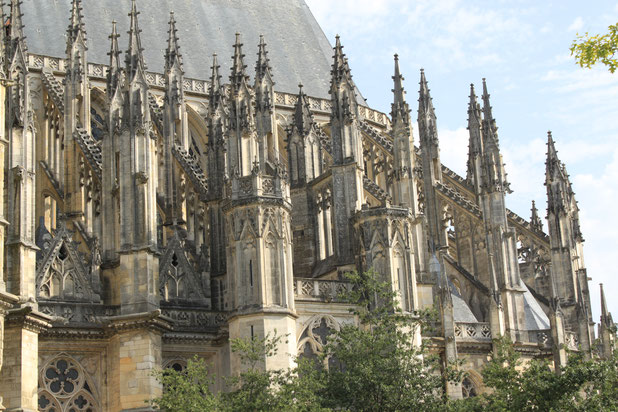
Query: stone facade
column 148, row 217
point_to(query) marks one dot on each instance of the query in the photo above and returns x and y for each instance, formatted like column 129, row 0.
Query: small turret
column 404, row 193
column 263, row 79
column 431, row 165
column 304, row 150
column 347, row 144
column 266, row 127
column 243, row 145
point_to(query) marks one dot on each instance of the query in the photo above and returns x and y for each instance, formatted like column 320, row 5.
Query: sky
column 522, row 49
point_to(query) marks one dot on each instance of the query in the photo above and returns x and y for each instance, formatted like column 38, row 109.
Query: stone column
column 134, row 353
column 19, row 375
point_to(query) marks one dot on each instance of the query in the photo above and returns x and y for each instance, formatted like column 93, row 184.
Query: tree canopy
column 374, row 365
column 601, row 48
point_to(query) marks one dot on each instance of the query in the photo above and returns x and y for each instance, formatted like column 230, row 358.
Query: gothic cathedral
column 150, row 216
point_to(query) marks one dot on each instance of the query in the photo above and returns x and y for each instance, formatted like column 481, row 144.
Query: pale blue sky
column 522, row 48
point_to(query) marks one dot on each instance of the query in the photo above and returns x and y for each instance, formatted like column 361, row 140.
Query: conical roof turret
column 303, row 118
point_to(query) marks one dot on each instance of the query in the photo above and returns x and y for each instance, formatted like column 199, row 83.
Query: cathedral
column 153, row 213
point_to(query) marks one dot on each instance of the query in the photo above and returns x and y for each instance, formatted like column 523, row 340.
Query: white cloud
column 577, row 24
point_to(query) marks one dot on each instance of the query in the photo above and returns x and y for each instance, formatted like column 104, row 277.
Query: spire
column 425, row 103
column 134, row 58
column 606, row 317
column 16, row 32
column 474, row 123
column 238, row 75
column 474, row 110
column 426, row 113
column 399, row 108
column 475, row 142
column 552, row 163
column 172, row 54
column 535, row 220
column 16, row 24
column 490, row 130
column 76, row 24
column 114, row 62
column 216, row 96
column 303, row 118
column 262, row 66
column 340, row 70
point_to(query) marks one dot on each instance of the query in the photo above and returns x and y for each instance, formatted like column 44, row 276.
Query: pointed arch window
column 468, row 388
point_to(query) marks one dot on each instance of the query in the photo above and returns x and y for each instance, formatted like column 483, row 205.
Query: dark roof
column 298, row 49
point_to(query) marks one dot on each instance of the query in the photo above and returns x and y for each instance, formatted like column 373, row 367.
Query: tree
column 254, row 389
column 376, row 366
column 582, row 385
column 589, row 50
column 187, row 390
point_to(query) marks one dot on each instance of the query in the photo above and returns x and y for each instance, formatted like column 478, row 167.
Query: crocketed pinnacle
column 114, row 61
column 238, row 75
column 262, row 66
column 425, row 103
column 490, row 130
column 16, row 32
column 399, row 109
column 474, row 110
column 76, row 24
column 553, row 165
column 535, row 220
column 216, row 97
column 134, row 58
column 475, row 144
column 172, row 54
column 303, row 118
column 340, row 70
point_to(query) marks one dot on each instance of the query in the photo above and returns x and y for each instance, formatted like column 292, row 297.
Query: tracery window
column 65, row 387
column 97, row 124
column 315, row 336
column 468, row 389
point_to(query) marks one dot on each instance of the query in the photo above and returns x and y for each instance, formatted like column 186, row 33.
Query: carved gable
column 61, row 273
column 179, row 281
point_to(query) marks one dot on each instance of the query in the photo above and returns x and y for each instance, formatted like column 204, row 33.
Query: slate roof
column 297, row 47
column 536, row 319
column 461, row 310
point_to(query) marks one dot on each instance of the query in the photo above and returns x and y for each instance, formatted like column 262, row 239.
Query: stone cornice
column 147, row 320
column 29, row 319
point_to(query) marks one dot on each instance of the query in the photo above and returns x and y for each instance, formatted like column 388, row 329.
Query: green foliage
column 187, row 390
column 582, row 385
column 375, row 366
column 589, row 50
